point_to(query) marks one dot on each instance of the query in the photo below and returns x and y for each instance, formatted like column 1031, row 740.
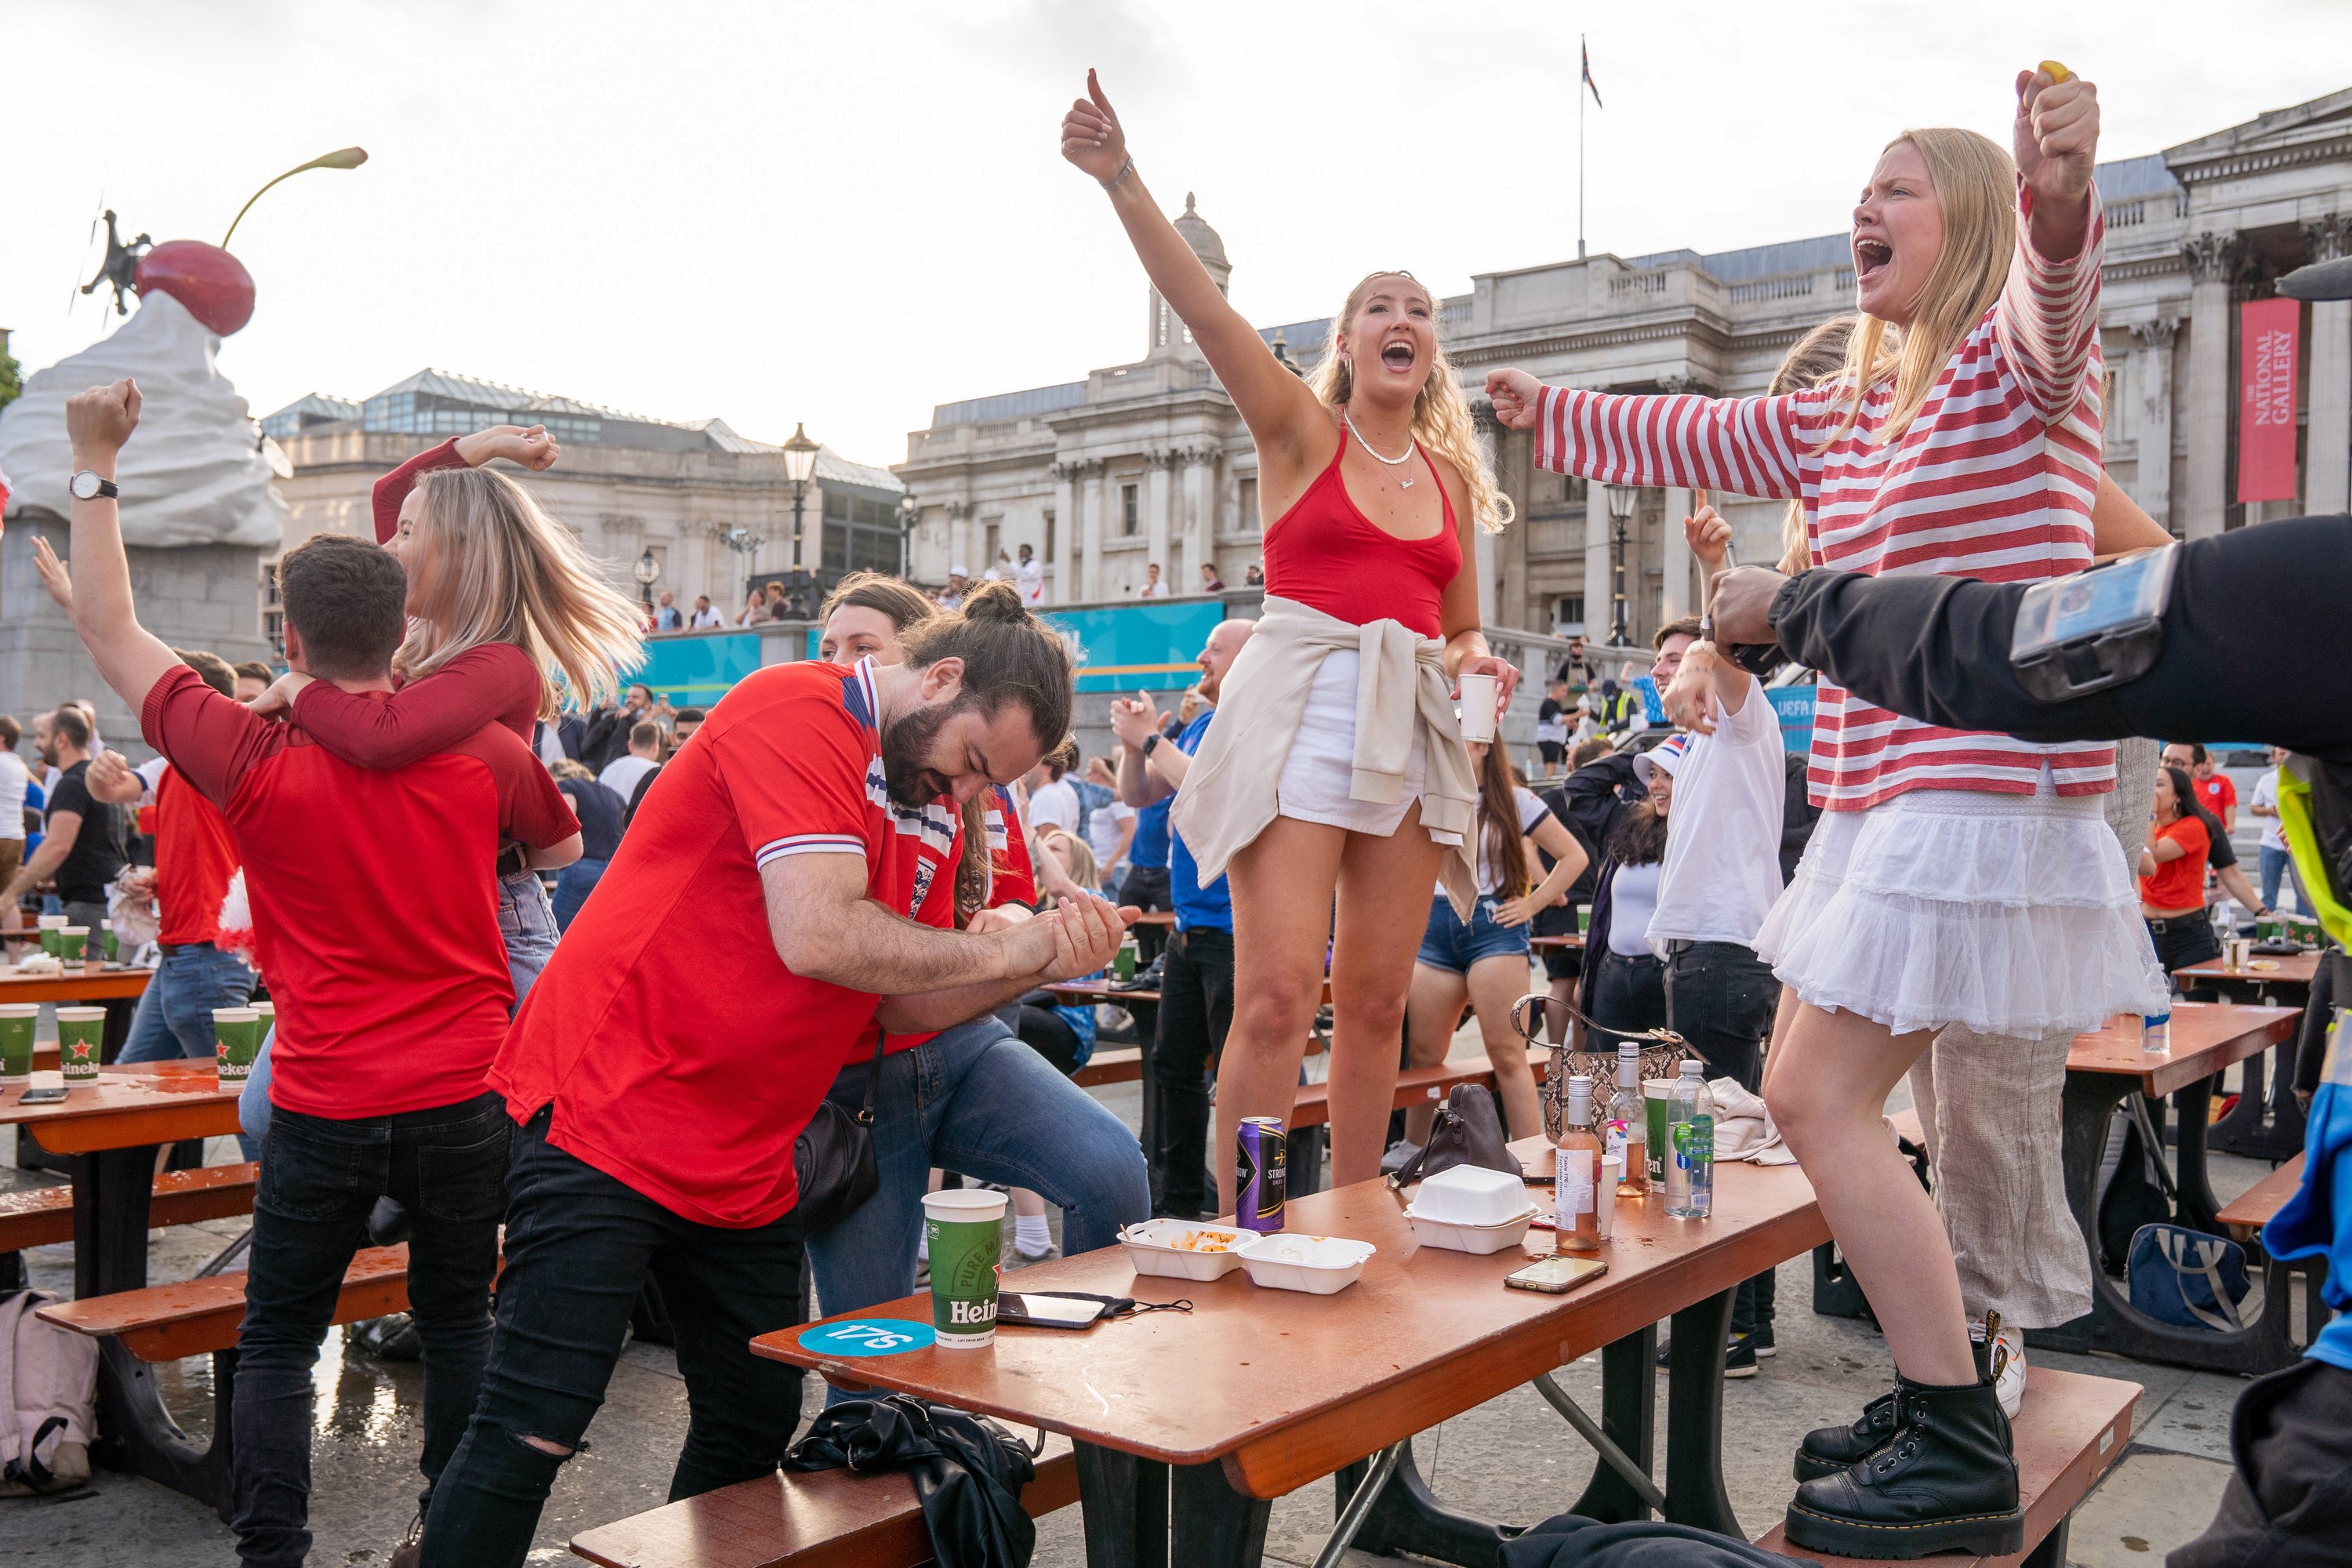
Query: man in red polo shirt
column 752, row 925
column 376, row 913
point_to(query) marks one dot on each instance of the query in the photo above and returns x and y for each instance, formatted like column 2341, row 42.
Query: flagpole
column 1580, row 149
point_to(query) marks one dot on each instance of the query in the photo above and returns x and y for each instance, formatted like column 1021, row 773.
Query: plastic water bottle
column 1690, row 1164
column 2155, row 1031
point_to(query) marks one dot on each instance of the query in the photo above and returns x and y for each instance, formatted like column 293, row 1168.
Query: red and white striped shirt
column 1993, row 480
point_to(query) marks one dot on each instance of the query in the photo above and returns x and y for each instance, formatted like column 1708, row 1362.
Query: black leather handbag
column 833, row 1159
column 1466, row 1131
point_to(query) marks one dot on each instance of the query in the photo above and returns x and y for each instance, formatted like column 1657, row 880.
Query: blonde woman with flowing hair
column 510, row 621
column 1955, row 878
column 1335, row 771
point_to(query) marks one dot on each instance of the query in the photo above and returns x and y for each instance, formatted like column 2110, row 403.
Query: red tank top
column 1325, row 552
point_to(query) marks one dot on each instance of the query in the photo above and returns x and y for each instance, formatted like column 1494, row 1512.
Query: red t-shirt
column 2180, row 884
column 374, row 912
column 2218, row 794
column 681, row 1057
column 195, row 858
column 490, row 683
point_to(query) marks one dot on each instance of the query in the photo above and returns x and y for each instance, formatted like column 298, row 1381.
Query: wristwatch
column 1150, row 741
column 87, row 486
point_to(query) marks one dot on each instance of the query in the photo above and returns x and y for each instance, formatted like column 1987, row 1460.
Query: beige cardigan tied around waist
column 1230, row 791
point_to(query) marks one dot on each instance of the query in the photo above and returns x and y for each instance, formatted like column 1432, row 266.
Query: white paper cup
column 1481, row 695
column 1604, row 1196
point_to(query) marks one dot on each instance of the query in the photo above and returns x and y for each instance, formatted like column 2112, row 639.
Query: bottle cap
column 1693, row 1069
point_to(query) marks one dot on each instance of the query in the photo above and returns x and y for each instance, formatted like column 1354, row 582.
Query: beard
column 906, row 752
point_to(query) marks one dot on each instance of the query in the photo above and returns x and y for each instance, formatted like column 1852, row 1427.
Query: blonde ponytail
column 1440, row 415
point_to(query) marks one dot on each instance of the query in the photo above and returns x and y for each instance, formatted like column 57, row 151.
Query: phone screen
column 1056, row 1308
column 50, row 1096
column 1557, row 1273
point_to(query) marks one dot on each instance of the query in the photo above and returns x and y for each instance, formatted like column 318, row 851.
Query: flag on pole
column 1587, row 73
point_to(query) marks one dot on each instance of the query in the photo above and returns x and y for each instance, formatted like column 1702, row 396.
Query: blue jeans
column 578, row 1244
column 2277, row 866
column 447, row 1166
column 176, row 1016
column 526, row 923
column 573, row 886
column 977, row 1101
column 1449, row 943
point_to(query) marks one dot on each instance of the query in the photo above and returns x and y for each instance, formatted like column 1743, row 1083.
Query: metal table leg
column 1695, row 1492
column 1406, row 1517
column 1125, row 1502
column 1629, row 1418
column 111, row 1190
column 1210, row 1525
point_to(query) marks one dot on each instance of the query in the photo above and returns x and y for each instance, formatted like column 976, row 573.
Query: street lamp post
column 909, row 514
column 744, row 541
column 1620, row 512
column 800, row 466
column 647, row 571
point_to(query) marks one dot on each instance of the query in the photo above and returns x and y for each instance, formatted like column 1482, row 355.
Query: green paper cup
column 16, row 1040
column 237, row 1039
column 113, row 948
column 965, row 1230
column 81, row 1034
column 1658, row 1103
column 53, row 929
column 73, row 944
column 1583, row 917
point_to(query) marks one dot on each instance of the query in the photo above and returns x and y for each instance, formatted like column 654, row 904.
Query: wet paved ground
column 1512, row 1458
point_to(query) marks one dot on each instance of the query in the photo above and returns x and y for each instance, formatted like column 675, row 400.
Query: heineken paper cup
column 113, row 949
column 16, row 1040
column 73, row 944
column 237, row 1039
column 965, row 1230
column 1658, row 1103
column 52, row 928
column 81, row 1034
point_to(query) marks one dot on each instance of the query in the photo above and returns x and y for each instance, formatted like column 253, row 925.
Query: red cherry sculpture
column 212, row 284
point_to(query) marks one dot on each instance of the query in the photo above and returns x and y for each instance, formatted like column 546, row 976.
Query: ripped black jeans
column 578, row 1245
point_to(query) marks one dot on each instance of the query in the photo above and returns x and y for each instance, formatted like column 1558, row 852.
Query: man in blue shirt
column 1196, row 985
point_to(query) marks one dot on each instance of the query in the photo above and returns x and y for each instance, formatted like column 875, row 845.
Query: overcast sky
column 847, row 213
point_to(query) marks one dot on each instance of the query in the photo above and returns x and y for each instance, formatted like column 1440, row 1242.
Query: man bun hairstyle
column 210, row 668
column 1009, row 656
column 344, row 600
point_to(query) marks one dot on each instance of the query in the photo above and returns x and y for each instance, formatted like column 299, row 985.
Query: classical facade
column 711, row 507
column 1148, row 462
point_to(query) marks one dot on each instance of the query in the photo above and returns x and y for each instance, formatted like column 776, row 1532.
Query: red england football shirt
column 195, row 858
column 681, row 1057
column 376, row 906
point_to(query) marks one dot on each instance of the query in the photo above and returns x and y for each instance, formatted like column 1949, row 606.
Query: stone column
column 1157, row 500
column 1484, row 545
column 1678, row 596
column 2152, row 376
column 1200, row 506
column 1060, row 550
column 1597, row 579
column 2210, row 258
column 1090, row 571
column 2327, row 435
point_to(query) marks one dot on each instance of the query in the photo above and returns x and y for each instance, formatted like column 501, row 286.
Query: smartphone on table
column 1556, row 1275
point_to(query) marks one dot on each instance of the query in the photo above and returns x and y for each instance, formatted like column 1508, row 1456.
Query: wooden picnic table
column 2103, row 1071
column 1256, row 1393
column 2267, row 1122
column 111, row 1129
column 1567, row 941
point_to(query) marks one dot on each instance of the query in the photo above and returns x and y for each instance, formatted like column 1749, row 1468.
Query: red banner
column 2269, row 333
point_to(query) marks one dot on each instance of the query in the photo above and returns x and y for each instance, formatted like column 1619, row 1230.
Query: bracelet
column 1120, row 178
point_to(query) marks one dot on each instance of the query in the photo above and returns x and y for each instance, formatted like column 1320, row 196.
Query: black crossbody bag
column 833, row 1159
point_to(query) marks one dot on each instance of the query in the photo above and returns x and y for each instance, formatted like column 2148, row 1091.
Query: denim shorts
column 1447, row 943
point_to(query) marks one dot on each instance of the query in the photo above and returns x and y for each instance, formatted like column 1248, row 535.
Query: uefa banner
column 2269, row 331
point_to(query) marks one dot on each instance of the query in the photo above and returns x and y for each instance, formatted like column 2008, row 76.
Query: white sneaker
column 2009, row 1370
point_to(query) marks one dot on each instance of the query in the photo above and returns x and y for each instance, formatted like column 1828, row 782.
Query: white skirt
column 1320, row 769
column 2013, row 914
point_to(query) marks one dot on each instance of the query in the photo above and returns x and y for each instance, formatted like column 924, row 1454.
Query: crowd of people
column 885, row 853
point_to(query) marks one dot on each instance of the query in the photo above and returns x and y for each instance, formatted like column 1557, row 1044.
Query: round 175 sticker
column 878, row 1336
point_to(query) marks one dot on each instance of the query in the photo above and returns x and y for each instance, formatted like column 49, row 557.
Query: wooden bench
column 2071, row 1430
column 194, row 1317
column 1414, row 1086
column 819, row 1519
column 39, row 1216
column 2251, row 1209
column 1116, row 1065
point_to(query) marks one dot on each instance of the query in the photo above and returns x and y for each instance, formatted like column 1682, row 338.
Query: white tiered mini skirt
column 2013, row 914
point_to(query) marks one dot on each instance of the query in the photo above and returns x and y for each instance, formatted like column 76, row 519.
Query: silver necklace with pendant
column 1411, row 446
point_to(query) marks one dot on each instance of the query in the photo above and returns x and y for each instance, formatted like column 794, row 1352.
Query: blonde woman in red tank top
column 1370, row 479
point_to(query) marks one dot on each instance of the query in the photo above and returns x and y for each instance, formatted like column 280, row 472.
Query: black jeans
column 578, row 1245
column 1720, row 997
column 1146, row 887
column 1196, row 1008
column 1628, row 993
column 447, row 1167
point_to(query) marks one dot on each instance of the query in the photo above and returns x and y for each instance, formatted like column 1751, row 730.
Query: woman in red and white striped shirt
column 1955, row 876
